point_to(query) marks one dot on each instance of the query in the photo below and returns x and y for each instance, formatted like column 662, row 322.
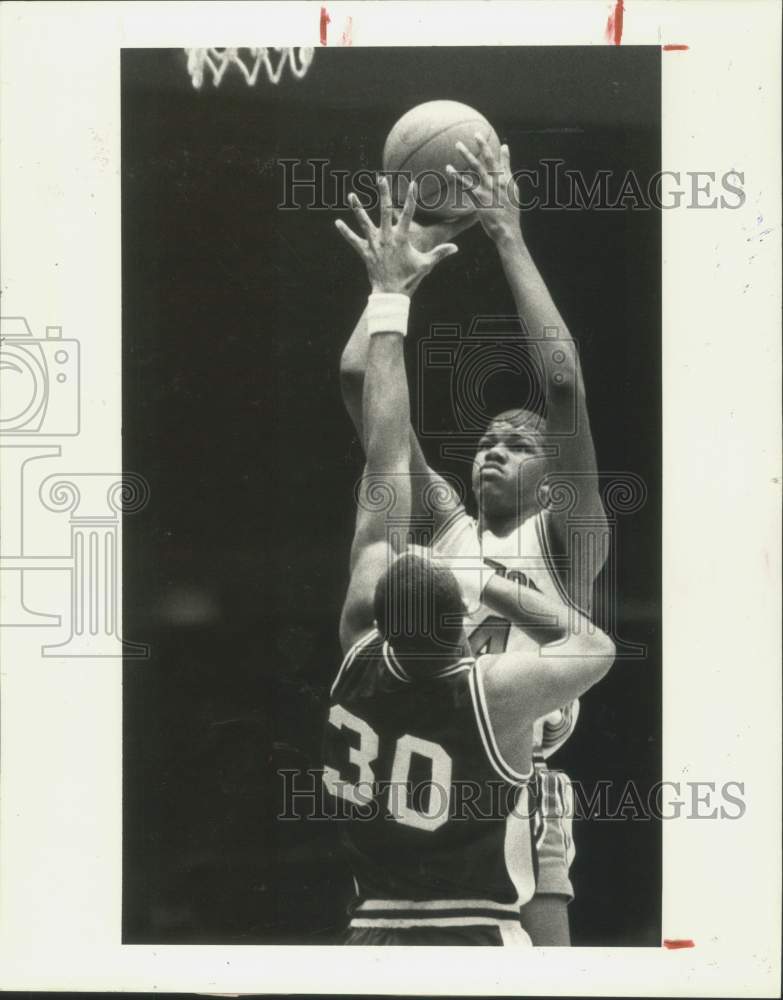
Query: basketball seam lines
column 429, row 138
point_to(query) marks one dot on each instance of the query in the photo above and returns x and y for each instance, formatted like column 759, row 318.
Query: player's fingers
column 473, row 161
column 466, row 181
column 364, row 219
column 387, row 206
column 486, row 156
column 439, row 253
column 406, row 215
column 461, row 176
column 350, row 236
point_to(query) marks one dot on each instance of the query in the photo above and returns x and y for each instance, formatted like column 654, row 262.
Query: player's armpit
column 567, row 419
column 431, row 494
column 568, row 428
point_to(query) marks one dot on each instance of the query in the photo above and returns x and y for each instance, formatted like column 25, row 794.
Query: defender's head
column 509, row 465
column 419, row 609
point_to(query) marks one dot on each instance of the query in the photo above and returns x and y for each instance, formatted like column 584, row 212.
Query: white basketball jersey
column 525, row 556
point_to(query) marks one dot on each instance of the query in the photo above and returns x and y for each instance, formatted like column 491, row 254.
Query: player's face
column 508, row 467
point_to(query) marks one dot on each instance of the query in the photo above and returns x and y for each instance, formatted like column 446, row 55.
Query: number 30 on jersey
column 364, row 756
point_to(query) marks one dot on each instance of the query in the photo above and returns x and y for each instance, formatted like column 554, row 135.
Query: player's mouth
column 490, row 470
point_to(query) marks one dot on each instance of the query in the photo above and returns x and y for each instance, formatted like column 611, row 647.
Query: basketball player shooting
column 517, row 529
column 409, row 694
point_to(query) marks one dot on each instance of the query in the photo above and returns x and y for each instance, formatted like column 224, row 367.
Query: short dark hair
column 418, row 609
column 520, row 417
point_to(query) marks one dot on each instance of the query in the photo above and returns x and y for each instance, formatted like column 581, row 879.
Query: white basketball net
column 249, row 62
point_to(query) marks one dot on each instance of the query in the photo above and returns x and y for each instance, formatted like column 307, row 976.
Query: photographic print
column 240, row 301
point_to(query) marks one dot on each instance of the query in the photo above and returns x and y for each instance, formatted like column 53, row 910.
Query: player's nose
column 496, row 454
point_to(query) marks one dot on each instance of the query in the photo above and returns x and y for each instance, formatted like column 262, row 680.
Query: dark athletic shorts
column 510, row 934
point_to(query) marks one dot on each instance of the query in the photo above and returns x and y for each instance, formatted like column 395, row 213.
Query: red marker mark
column 325, row 20
column 347, row 36
column 614, row 26
column 678, row 943
column 675, row 48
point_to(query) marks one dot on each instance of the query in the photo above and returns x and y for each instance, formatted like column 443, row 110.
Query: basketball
column 422, row 143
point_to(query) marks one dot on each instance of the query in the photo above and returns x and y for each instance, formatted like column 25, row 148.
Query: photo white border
column 60, row 722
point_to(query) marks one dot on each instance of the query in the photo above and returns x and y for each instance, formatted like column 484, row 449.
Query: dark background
column 234, row 316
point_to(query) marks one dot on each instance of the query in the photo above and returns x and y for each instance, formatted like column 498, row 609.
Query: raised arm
column 567, row 420
column 516, row 689
column 483, row 583
column 353, row 366
column 522, row 687
column 394, row 268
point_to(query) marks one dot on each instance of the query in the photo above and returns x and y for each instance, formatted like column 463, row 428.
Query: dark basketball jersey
column 437, row 825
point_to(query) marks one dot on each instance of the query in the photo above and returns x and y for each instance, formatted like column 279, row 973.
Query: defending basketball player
column 516, row 528
column 409, row 700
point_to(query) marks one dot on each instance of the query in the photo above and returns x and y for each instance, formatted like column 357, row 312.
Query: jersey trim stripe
column 402, row 674
column 487, row 734
column 480, row 724
column 455, row 668
column 517, row 775
column 462, row 921
column 395, row 667
column 350, row 656
column 435, row 904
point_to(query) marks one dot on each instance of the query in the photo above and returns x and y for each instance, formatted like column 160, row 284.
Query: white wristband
column 387, row 312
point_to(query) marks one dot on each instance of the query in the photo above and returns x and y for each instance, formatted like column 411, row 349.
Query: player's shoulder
column 452, row 681
column 487, row 665
column 366, row 649
column 538, row 525
column 457, row 532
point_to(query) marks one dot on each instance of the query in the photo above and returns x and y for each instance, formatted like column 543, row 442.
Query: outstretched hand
column 427, row 237
column 393, row 260
column 491, row 187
